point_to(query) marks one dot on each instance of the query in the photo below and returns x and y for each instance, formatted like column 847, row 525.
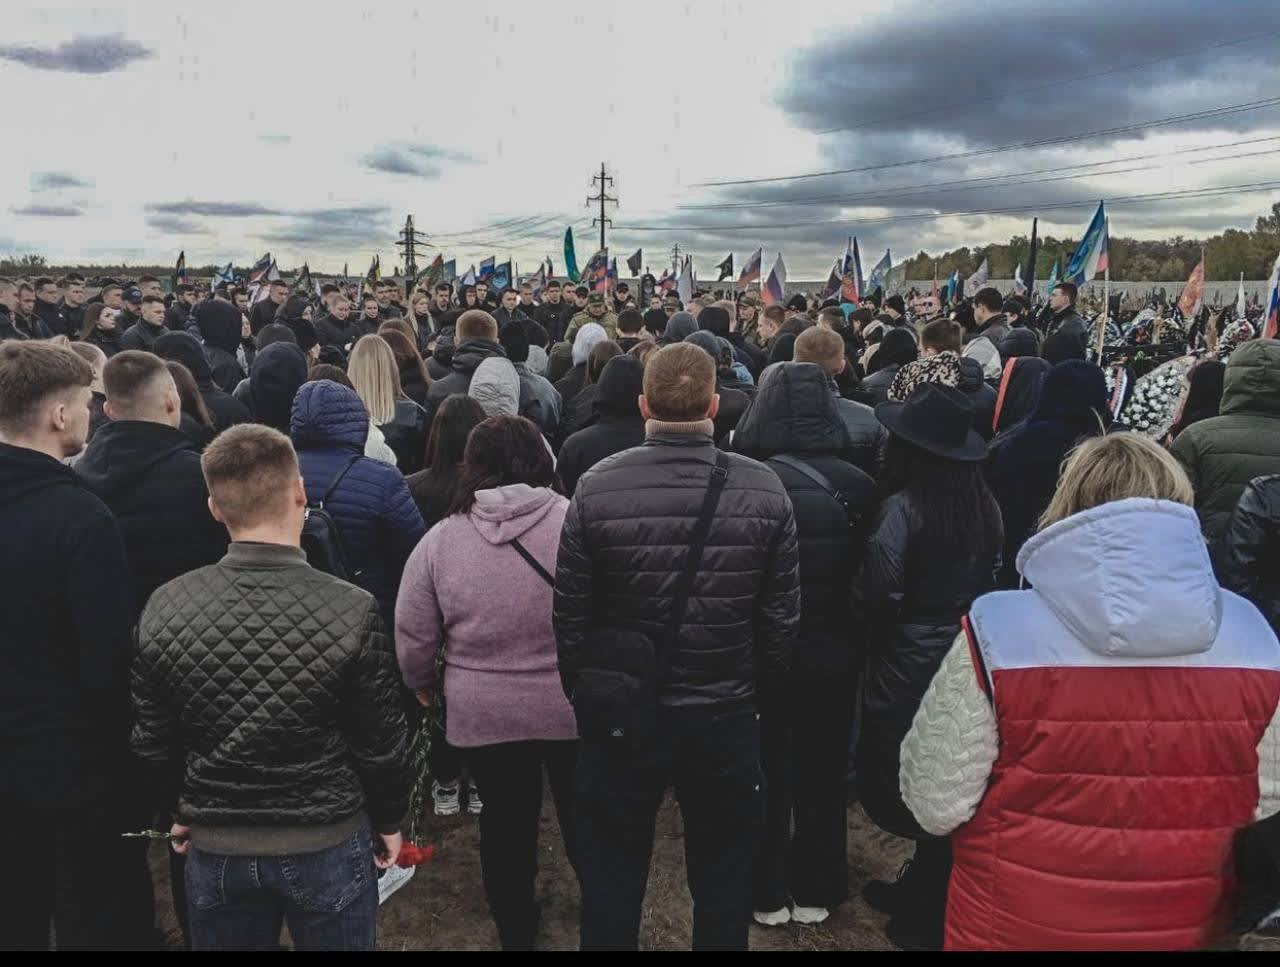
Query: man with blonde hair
column 476, row 339
column 867, row 437
column 268, row 717
column 676, row 603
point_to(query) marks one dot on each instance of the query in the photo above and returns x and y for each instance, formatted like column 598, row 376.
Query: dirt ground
column 443, row 906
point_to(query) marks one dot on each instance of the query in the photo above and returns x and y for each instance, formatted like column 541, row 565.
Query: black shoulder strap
column 813, row 473
column 697, row 542
column 533, row 562
column 337, row 480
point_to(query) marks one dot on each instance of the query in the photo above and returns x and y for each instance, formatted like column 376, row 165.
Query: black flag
column 1029, row 274
column 726, row 268
column 634, row 263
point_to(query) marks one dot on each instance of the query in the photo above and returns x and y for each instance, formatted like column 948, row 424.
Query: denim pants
column 328, row 898
column 712, row 758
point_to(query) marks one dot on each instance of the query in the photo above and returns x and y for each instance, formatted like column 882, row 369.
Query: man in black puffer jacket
column 475, row 339
column 794, row 426
column 267, row 710
column 147, row 471
column 622, row 552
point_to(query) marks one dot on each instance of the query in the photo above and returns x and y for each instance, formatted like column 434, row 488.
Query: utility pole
column 409, row 239
column 675, row 259
column 603, row 198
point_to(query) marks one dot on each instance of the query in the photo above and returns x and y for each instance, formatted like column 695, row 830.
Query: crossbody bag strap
column 533, row 562
column 816, row 475
column 337, row 480
column 692, row 560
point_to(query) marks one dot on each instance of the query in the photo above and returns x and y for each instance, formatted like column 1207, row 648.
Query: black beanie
column 895, row 303
column 305, row 333
column 655, row 320
column 515, row 341
column 714, row 320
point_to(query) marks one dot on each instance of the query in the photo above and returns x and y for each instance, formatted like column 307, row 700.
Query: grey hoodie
column 496, row 387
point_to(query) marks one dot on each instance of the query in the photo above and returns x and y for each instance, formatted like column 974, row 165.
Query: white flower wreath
column 1154, row 403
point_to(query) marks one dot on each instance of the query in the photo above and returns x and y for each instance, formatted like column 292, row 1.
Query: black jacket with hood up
column 618, row 424
column 224, row 409
column 219, row 324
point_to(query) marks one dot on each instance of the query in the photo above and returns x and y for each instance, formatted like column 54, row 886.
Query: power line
column 603, row 198
column 995, row 181
column 1059, row 82
column 1223, row 111
column 924, row 216
column 514, row 224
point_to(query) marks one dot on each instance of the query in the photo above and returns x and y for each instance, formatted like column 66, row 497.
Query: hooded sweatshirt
column 679, row 327
column 274, row 379
column 501, row 681
column 149, row 475
column 219, row 323
column 496, row 387
column 618, row 424
column 573, row 381
column 224, row 409
column 1118, row 731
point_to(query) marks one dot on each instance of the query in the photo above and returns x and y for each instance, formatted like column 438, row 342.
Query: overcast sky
column 311, row 130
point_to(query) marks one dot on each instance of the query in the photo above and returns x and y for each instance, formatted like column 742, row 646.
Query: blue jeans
column 328, row 898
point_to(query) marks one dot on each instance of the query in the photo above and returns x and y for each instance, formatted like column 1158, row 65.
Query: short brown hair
column 776, row 314
column 821, row 346
column 679, row 381
column 249, row 470
column 128, row 378
column 476, row 324
column 942, row 335
column 30, row 373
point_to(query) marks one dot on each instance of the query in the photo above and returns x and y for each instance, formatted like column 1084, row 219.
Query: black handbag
column 618, row 704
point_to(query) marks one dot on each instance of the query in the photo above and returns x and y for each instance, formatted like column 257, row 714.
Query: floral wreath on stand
column 1153, row 405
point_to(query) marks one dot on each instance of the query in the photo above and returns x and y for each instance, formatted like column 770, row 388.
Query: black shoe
column 885, row 895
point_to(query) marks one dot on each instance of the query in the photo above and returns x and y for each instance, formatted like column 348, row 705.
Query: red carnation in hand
column 411, row 854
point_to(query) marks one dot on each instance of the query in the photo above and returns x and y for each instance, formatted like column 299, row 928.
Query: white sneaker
column 392, row 878
column 474, row 804
column 772, row 918
column 445, row 799
column 809, row 915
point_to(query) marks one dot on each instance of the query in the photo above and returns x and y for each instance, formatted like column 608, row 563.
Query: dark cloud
column 416, row 160
column 49, row 211
column 335, row 228
column 83, row 54
column 53, row 180
column 176, row 224
column 214, row 209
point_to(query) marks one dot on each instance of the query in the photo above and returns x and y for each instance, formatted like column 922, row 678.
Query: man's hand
column 179, row 842
column 423, row 696
column 390, row 851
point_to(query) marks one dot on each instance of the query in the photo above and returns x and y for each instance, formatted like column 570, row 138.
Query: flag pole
column 1106, row 294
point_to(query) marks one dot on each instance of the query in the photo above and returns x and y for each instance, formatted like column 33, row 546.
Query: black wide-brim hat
column 938, row 419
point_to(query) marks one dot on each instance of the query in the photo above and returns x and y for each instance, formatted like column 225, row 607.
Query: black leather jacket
column 1249, row 560
column 406, row 434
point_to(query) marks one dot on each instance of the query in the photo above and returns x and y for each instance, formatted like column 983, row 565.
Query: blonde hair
column 249, row 470
column 375, row 377
column 1115, row 467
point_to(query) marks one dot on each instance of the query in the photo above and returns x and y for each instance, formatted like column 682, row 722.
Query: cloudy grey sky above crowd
column 234, row 128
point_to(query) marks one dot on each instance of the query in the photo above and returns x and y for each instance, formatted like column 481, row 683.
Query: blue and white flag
column 880, row 272
column 1091, row 257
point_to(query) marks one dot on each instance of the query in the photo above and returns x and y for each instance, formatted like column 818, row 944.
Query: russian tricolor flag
column 751, row 271
column 774, row 289
column 1271, row 313
column 1092, row 256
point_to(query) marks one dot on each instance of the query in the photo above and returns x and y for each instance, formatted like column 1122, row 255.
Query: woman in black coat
column 934, row 547
column 794, row 427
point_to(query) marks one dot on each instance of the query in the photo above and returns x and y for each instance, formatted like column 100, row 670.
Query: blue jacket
column 378, row 521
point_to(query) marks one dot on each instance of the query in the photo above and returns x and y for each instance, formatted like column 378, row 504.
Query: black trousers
column 72, row 868
column 444, row 761
column 804, row 752
column 509, row 778
column 712, row 758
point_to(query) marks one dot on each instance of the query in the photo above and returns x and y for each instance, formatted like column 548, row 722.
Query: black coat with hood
column 65, row 638
column 224, row 409
column 274, row 380
column 466, row 359
column 219, row 324
column 980, row 394
column 406, row 434
column 794, row 414
column 149, row 475
column 618, row 424
column 1249, row 560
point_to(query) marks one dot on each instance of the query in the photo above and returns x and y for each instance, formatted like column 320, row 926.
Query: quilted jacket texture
column 1250, row 562
column 377, row 519
column 279, row 685
column 622, row 550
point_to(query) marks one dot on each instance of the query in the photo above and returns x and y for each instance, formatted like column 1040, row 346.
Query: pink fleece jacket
column 467, row 590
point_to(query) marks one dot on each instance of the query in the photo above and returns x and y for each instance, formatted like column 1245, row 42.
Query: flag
column 570, row 258
column 499, row 276
column 853, row 264
column 879, row 276
column 450, row 271
column 636, row 263
column 539, row 279
column 750, row 271
column 1029, row 276
column 596, row 274
column 725, row 268
column 612, row 275
column 1019, row 287
column 953, row 284
column 1271, row 308
column 180, row 270
column 429, row 276
column 226, row 275
column 260, row 269
column 1091, row 257
column 551, row 269
column 774, row 289
column 470, row 277
column 833, row 282
column 487, row 268
column 304, row 283
column 1054, row 277
column 1240, row 302
column 978, row 279
column 1192, row 292
column 684, row 286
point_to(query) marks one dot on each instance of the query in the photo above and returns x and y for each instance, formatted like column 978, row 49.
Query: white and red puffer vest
column 1130, row 695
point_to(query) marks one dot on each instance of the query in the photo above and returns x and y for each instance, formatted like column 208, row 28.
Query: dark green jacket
column 1221, row 455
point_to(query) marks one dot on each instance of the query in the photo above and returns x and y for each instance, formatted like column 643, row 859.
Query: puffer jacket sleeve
column 1248, row 547
column 1185, row 452
column 947, row 757
column 880, row 585
column 404, row 525
column 572, row 609
column 154, row 740
column 419, row 623
column 376, row 730
column 778, row 617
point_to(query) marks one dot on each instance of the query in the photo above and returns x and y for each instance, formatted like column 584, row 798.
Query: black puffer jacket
column 1019, row 341
column 1071, row 327
column 406, row 435
column 466, row 359
column 794, row 415
column 980, row 394
column 149, row 475
column 622, row 550
column 914, row 597
column 867, row 435
column 275, row 377
column 281, row 689
column 1249, row 562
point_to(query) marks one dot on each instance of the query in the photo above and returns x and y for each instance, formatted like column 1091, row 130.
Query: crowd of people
column 776, row 558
